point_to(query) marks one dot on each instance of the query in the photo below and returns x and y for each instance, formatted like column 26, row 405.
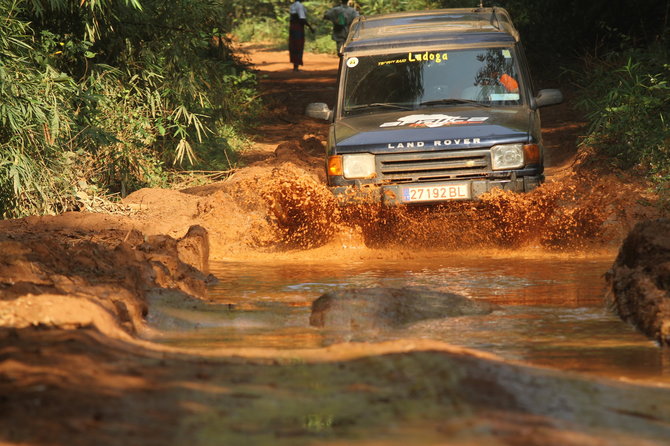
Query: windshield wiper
column 378, row 104
column 454, row 101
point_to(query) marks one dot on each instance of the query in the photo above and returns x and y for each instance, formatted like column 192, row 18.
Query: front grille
column 433, row 166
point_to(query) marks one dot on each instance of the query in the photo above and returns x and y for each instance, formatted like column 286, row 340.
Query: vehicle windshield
column 412, row 80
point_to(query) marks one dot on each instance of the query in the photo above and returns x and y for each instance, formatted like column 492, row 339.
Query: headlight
column 507, row 156
column 360, row 165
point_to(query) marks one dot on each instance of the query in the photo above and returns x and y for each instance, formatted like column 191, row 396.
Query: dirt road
column 74, row 292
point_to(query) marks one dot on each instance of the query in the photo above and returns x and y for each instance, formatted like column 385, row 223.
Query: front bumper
column 392, row 194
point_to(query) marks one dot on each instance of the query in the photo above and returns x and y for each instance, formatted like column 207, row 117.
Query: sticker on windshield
column 352, row 62
column 507, row 54
column 392, row 61
column 417, row 57
column 437, row 120
column 427, row 57
column 505, row 96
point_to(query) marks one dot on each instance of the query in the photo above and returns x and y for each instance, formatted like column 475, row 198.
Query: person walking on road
column 341, row 15
column 296, row 33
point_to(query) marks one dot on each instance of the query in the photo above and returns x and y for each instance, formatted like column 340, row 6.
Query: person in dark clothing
column 341, row 15
column 296, row 33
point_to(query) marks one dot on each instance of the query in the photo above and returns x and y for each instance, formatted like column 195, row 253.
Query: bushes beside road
column 108, row 96
column 626, row 97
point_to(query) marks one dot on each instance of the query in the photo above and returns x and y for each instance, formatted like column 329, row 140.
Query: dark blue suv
column 434, row 106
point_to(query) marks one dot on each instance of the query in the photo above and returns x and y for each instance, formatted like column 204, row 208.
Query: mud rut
column 75, row 290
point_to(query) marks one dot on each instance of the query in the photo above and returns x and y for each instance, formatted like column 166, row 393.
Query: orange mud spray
column 556, row 216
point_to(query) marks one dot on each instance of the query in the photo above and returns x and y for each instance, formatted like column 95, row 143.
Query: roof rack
column 494, row 16
column 431, row 27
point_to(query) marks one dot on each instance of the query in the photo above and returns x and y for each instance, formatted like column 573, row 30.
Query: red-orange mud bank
column 74, row 290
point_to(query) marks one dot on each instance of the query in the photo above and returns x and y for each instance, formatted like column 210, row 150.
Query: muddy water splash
column 556, row 216
column 303, row 212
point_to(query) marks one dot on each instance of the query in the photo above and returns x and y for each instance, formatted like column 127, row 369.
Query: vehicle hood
column 432, row 129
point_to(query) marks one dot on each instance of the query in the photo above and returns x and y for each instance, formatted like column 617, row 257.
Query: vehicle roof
column 430, row 28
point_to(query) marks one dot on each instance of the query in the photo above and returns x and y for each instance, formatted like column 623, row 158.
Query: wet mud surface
column 115, row 330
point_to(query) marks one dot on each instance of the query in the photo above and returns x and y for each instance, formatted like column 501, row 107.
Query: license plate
column 436, row 193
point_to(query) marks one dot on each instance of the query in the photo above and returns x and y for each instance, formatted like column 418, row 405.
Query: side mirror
column 548, row 97
column 319, row 110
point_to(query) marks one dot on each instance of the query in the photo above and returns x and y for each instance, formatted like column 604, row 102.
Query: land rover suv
column 434, row 106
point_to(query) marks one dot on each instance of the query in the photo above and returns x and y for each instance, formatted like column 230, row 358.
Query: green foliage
column 35, row 117
column 105, row 95
column 626, row 96
column 262, row 30
column 89, row 19
column 321, row 44
column 371, row 7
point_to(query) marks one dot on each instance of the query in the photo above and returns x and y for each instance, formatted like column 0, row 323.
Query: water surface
column 552, row 310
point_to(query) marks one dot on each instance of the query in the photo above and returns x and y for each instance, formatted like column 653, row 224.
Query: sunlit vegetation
column 103, row 97
column 626, row 95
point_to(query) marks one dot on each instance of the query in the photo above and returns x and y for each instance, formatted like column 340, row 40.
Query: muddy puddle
column 552, row 311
